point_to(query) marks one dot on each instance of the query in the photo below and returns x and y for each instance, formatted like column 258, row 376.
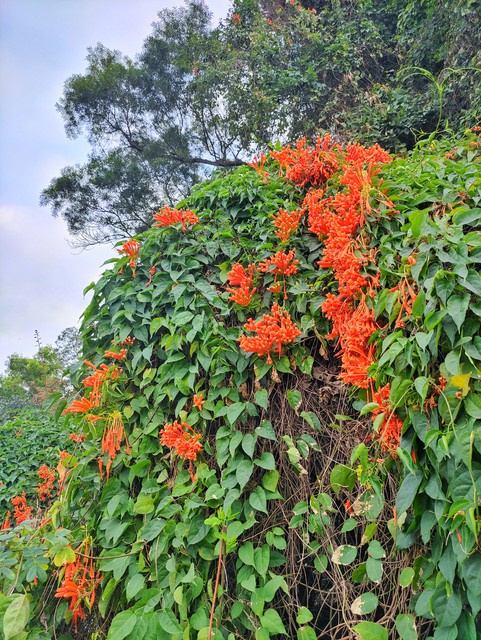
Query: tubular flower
column 243, row 279
column 273, row 332
column 75, row 437
column 131, row 248
column 44, row 490
column 6, row 524
column 113, row 436
column 167, row 216
column 319, row 212
column 258, row 164
column 307, row 165
column 79, row 582
column 80, row 406
column 22, row 511
column 97, row 379
column 286, row 222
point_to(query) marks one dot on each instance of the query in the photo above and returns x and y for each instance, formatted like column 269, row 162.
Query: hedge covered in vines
column 276, row 432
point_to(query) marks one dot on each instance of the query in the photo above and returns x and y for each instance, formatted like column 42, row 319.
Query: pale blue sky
column 42, row 43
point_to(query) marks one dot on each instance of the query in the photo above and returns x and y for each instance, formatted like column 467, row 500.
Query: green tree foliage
column 28, row 382
column 198, row 97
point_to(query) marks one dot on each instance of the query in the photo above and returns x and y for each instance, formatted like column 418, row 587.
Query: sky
column 42, row 43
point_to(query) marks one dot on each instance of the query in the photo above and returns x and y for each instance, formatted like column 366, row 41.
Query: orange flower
column 6, row 524
column 198, row 401
column 80, row 406
column 167, row 216
column 273, row 331
column 236, row 19
column 258, row 164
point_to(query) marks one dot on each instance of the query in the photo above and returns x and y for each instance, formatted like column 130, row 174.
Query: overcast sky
column 42, row 43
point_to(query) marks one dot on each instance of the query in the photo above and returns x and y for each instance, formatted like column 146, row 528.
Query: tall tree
column 199, row 97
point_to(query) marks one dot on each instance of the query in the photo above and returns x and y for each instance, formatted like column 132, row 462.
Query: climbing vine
column 276, row 429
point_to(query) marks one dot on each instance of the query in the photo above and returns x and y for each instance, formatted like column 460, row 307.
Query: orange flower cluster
column 98, row 378
column 115, row 355
column 273, row 331
column 280, row 264
column 128, row 342
column 112, row 438
column 286, row 222
column 79, row 582
column 338, row 219
column 306, row 165
column 242, row 279
column 131, row 248
column 80, row 406
column 44, row 490
column 22, row 511
column 391, row 427
column 167, row 216
column 236, row 19
column 180, row 437
column 76, row 437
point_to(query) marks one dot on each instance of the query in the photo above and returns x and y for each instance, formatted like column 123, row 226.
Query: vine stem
column 216, row 588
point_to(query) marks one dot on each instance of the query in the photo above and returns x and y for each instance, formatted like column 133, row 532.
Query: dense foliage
column 198, row 97
column 223, row 485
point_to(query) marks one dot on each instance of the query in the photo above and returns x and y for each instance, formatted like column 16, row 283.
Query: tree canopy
column 198, row 97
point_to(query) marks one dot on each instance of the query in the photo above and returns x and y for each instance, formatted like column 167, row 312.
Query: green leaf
column 303, row 615
column 370, row 631
column 342, row 476
column 243, row 472
column 16, row 616
column 374, row 570
column 375, row 550
column 344, row 554
column 419, row 305
column 457, row 307
column 271, row 621
column 134, row 584
column 406, row 626
column 249, row 444
column 270, row 480
column 294, row 398
column 266, row 461
column 144, row 504
column 472, row 404
column 306, row 633
column 168, row 622
column 364, row 604
column 246, row 553
column 471, row 572
column 407, row 491
column 261, row 559
column 466, row 216
column 311, row 419
column 258, row 500
column 261, row 398
column 234, row 411
column 266, row 430
column 122, row 625
column 64, row 555
column 406, row 577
